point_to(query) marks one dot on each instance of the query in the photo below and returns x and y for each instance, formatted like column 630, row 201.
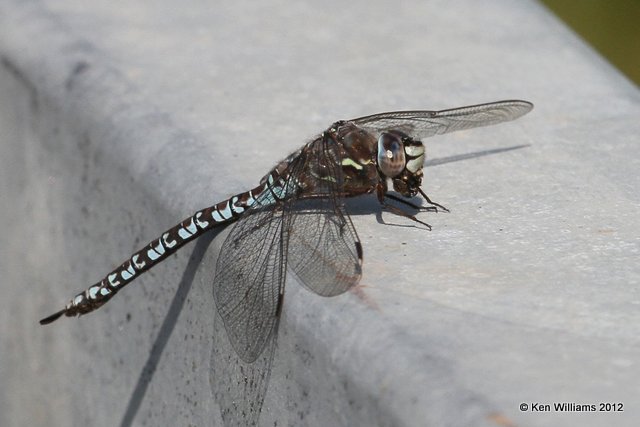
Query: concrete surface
column 119, row 119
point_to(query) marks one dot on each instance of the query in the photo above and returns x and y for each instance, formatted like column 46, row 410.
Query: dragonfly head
column 400, row 158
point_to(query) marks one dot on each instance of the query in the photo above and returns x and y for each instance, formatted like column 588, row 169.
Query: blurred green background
column 612, row 27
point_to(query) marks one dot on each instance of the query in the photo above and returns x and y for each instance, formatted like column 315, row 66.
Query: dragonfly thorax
column 359, row 145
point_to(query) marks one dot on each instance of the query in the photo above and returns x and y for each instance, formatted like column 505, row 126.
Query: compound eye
column 391, row 159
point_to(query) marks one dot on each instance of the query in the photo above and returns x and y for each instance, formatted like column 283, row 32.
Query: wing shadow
column 369, row 205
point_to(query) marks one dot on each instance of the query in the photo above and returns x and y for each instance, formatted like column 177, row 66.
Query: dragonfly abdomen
column 168, row 243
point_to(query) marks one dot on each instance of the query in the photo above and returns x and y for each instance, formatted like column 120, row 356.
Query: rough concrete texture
column 119, row 119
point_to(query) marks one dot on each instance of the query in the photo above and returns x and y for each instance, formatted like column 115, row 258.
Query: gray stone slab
column 118, row 120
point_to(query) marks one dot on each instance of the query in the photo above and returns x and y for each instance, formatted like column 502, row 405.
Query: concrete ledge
column 117, row 122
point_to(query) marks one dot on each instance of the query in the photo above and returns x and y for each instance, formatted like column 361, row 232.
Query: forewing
column 324, row 250
column 423, row 124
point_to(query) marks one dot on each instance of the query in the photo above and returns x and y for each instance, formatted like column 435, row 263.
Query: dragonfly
column 296, row 220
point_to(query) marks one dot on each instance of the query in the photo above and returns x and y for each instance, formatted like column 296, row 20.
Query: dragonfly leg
column 380, row 190
column 431, row 202
column 413, row 205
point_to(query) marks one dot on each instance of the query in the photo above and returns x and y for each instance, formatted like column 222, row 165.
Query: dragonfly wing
column 324, row 250
column 423, row 124
column 251, row 267
column 249, row 281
